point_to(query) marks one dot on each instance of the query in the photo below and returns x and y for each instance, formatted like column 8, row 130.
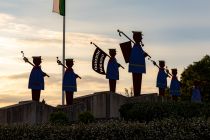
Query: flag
column 98, row 61
column 59, row 7
column 126, row 50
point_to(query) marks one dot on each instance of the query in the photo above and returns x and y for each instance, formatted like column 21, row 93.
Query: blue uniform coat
column 137, row 60
column 196, row 95
column 175, row 87
column 36, row 79
column 161, row 79
column 112, row 71
column 69, row 81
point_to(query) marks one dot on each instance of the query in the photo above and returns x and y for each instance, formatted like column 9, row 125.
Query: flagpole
column 63, row 69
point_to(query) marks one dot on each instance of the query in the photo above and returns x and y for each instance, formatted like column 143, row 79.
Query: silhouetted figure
column 112, row 72
column 175, row 86
column 69, row 81
column 162, row 79
column 36, row 79
column 137, row 64
column 196, row 95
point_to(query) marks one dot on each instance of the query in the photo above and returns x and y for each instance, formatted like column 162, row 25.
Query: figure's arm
column 45, row 74
column 77, row 76
column 167, row 73
column 145, row 54
column 119, row 65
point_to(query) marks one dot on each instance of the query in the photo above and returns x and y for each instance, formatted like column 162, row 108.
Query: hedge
column 170, row 128
column 148, row 111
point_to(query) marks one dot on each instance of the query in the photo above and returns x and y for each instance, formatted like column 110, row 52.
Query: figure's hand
column 25, row 59
column 59, row 62
column 145, row 54
column 154, row 63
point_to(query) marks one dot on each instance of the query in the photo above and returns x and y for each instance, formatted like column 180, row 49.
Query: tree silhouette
column 197, row 71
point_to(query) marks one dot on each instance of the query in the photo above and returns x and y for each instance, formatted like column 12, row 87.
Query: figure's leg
column 36, row 95
column 33, row 94
column 69, row 98
column 161, row 92
column 112, row 85
column 137, row 78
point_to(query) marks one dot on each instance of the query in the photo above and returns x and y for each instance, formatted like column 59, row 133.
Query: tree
column 197, row 71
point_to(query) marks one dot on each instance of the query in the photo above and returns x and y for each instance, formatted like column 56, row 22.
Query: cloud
column 17, row 76
column 176, row 33
column 4, row 19
column 93, row 79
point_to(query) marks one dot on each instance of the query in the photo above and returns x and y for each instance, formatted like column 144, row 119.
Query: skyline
column 175, row 31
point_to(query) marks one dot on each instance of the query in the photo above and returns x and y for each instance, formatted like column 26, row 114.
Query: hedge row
column 112, row 130
column 147, row 111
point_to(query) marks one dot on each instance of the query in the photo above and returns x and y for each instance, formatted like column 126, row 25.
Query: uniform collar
column 37, row 67
column 69, row 69
column 174, row 78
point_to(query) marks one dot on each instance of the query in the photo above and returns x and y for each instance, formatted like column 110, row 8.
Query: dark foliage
column 170, row 128
column 86, row 117
column 197, row 71
column 59, row 117
column 148, row 111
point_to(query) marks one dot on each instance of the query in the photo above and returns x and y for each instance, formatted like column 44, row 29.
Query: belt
column 137, row 65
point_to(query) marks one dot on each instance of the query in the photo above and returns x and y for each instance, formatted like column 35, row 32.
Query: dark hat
column 161, row 62
column 174, row 70
column 37, row 57
column 112, row 50
column 69, row 60
column 137, row 33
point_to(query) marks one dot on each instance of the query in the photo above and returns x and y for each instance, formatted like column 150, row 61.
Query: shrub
column 86, row 117
column 59, row 117
column 147, row 111
column 169, row 128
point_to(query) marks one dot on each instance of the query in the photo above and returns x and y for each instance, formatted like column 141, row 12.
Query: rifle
column 27, row 61
column 60, row 63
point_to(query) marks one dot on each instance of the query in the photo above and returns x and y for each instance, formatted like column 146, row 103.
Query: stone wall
column 101, row 104
column 27, row 112
column 32, row 112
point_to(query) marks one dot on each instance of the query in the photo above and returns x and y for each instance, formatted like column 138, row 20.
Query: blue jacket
column 112, row 71
column 196, row 95
column 161, row 79
column 137, row 60
column 69, row 81
column 175, row 87
column 36, row 79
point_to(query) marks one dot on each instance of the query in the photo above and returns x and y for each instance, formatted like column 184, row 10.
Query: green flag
column 59, row 7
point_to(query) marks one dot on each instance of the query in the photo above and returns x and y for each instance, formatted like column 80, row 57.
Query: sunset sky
column 177, row 31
